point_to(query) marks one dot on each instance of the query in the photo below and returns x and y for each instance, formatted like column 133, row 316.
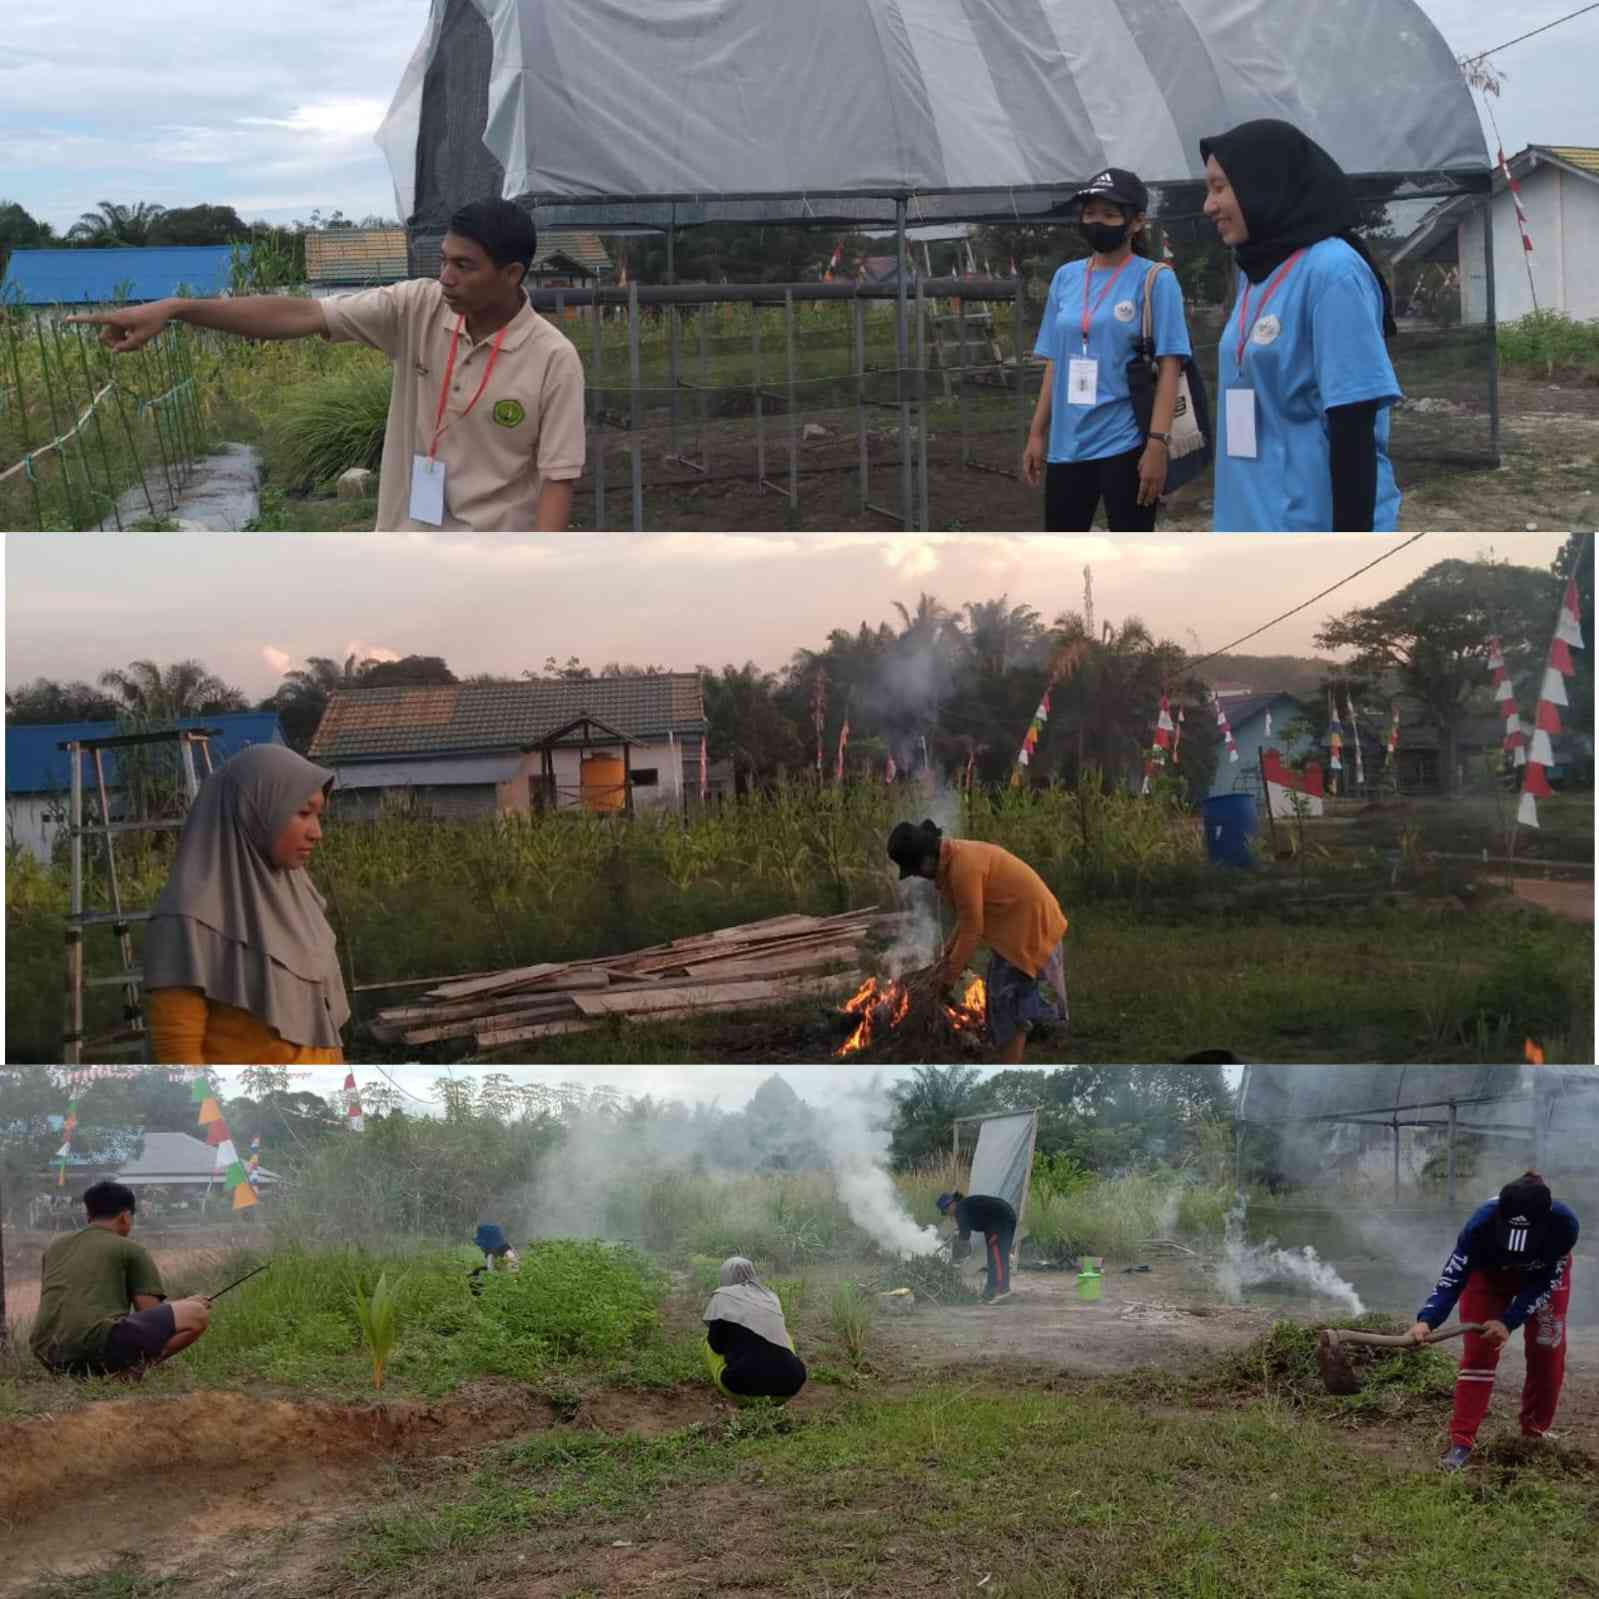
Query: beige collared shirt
column 526, row 428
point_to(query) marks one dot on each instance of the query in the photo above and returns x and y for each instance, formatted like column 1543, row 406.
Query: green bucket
column 1089, row 1281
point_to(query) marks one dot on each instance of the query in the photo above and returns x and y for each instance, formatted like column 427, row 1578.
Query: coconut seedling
column 379, row 1316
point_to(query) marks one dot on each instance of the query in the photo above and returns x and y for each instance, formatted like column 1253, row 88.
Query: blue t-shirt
column 1318, row 344
column 1108, row 427
column 1477, row 1249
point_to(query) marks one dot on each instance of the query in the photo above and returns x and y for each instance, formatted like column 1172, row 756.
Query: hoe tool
column 1332, row 1352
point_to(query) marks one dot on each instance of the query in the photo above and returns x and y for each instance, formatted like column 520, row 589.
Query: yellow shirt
column 187, row 1029
column 1000, row 900
column 527, row 425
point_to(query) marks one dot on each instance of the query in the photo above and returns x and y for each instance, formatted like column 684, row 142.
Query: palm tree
column 152, row 693
column 303, row 695
column 1000, row 635
column 111, row 224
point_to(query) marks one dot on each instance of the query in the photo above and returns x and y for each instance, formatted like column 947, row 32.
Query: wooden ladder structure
column 130, row 1036
column 964, row 333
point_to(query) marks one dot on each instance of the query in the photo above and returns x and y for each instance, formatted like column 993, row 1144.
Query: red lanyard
column 1088, row 276
column 1260, row 310
column 439, row 424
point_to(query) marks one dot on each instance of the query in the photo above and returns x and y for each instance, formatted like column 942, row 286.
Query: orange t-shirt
column 187, row 1029
column 1000, row 900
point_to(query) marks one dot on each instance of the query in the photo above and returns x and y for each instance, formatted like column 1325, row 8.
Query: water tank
column 604, row 783
column 1230, row 822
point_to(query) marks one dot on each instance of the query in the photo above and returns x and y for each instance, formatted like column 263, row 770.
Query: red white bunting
column 352, row 1104
column 1515, row 196
column 1226, row 730
column 1546, row 720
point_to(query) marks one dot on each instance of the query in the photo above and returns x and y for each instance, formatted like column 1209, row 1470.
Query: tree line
column 952, row 688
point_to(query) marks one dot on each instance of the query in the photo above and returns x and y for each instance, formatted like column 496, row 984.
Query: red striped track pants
column 1486, row 1297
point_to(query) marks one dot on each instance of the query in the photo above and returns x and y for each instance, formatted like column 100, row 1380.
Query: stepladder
column 137, row 783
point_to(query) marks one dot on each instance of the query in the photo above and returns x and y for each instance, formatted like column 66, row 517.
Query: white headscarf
column 743, row 1298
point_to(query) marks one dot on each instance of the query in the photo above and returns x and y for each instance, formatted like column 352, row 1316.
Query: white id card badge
column 427, row 491
column 1241, row 423
column 1082, row 381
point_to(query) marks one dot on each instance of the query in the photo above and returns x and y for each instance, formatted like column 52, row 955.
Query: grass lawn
column 1236, row 1476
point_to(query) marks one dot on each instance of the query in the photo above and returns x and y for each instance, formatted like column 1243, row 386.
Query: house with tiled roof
column 342, row 259
column 1560, row 193
column 608, row 744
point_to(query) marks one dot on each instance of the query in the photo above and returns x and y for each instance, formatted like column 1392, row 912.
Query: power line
column 1191, row 666
column 1473, row 60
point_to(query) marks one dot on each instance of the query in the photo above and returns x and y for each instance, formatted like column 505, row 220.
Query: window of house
column 646, row 776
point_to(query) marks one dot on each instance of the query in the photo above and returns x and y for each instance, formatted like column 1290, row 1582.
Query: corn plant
column 379, row 1316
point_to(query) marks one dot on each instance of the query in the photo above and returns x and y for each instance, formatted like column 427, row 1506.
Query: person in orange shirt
column 1001, row 901
column 241, row 967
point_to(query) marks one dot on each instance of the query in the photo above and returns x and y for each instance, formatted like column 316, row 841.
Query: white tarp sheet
column 714, row 98
column 1003, row 1159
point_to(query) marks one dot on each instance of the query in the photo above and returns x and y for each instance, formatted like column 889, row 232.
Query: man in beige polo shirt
column 485, row 429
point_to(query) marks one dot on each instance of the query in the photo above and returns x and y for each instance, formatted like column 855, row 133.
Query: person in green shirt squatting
column 103, row 1311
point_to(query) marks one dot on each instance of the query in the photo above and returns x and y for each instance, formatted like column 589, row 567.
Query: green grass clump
column 1114, row 1217
column 852, row 1323
column 1545, row 341
column 326, row 427
column 570, row 1299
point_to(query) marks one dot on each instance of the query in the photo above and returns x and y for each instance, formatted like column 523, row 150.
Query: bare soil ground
column 1572, row 900
column 1548, row 479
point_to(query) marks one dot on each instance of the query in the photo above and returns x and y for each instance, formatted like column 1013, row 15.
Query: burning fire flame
column 883, row 1005
column 1534, row 1054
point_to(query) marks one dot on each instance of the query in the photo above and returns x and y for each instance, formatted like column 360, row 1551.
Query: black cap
column 1524, row 1207
column 910, row 844
column 1118, row 185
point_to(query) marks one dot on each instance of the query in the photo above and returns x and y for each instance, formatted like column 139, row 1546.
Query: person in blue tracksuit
column 1306, row 382
column 1085, row 438
column 1510, row 1268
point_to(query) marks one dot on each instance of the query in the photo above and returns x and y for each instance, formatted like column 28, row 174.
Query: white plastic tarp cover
column 1003, row 1158
column 636, row 98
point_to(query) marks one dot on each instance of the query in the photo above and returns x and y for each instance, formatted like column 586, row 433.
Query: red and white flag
column 352, row 1104
column 1546, row 723
column 843, row 742
column 1165, row 249
column 833, row 264
column 1225, row 728
column 1515, row 196
column 890, row 771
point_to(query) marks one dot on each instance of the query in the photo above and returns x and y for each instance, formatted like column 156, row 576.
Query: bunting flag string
column 1354, row 734
column 1393, row 737
column 843, row 744
column 1030, row 738
column 1225, row 728
column 235, row 1179
column 1515, row 740
column 1177, row 739
column 1514, row 186
column 1335, row 734
column 352, row 1104
column 890, row 771
column 1546, row 724
column 69, row 1126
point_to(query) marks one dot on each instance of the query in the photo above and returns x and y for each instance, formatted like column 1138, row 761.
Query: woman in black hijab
column 1302, row 427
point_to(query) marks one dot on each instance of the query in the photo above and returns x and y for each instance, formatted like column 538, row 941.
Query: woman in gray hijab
column 748, row 1350
column 240, row 964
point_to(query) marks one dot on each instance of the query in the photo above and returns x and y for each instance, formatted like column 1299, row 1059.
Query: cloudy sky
column 271, row 107
column 250, row 606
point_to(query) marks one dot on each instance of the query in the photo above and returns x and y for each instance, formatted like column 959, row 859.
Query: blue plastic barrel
column 1230, row 822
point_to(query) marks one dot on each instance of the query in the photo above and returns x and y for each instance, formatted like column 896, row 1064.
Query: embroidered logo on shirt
column 509, row 412
column 1266, row 330
column 1124, row 310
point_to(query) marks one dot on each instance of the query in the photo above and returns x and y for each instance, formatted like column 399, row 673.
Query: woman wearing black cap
column 1084, row 425
column 1302, row 424
column 1510, row 1267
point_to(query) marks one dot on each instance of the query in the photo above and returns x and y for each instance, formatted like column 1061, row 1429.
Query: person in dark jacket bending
column 748, row 1350
column 996, row 1221
column 1511, row 1267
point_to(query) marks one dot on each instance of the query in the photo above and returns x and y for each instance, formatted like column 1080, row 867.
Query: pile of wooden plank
column 734, row 968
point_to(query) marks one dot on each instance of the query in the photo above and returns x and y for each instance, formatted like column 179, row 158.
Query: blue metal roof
column 98, row 277
column 35, row 766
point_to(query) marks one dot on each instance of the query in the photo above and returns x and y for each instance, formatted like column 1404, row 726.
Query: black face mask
column 1104, row 238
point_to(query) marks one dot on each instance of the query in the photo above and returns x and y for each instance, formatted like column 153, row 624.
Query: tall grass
column 852, row 1323
column 1115, row 1217
column 1544, row 342
column 328, row 426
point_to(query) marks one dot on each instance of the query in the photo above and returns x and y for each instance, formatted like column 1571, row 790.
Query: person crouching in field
column 1000, row 900
column 240, row 964
column 485, row 427
column 1511, row 1267
column 995, row 1219
column 497, row 1253
column 749, row 1351
column 103, row 1311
